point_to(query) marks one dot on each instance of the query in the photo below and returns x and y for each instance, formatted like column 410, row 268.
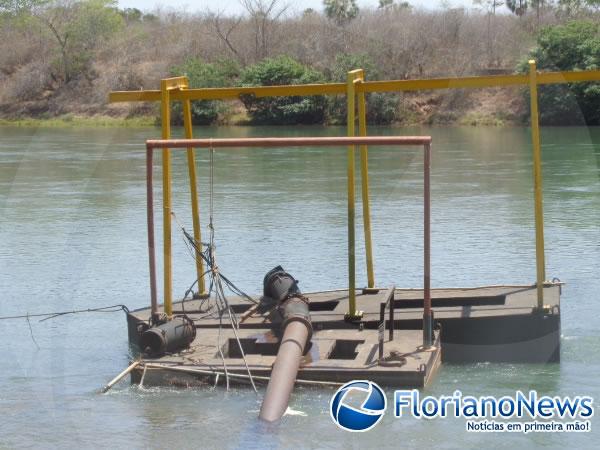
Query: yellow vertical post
column 351, row 119
column 537, row 182
column 165, row 115
column 364, row 174
column 191, row 160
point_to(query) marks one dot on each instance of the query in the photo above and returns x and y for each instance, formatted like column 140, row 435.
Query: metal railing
column 176, row 89
column 351, row 142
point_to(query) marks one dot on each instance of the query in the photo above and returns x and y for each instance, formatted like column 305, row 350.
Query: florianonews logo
column 360, row 404
column 364, row 417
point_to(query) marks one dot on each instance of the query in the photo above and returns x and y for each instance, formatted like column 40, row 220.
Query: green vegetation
column 59, row 59
column 573, row 46
column 75, row 28
column 381, row 108
column 283, row 110
column 341, row 11
column 206, row 75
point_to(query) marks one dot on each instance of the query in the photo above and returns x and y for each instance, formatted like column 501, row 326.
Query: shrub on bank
column 381, row 107
column 205, row 75
column 283, row 110
column 573, row 46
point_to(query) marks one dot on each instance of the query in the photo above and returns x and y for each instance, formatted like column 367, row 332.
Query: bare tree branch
column 224, row 35
column 264, row 14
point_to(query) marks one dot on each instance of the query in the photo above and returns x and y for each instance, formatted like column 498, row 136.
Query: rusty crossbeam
column 288, row 142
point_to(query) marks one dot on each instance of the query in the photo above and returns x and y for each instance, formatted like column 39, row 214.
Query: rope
column 52, row 315
column 216, row 276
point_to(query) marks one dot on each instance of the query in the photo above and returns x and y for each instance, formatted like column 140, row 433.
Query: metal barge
column 387, row 335
column 499, row 324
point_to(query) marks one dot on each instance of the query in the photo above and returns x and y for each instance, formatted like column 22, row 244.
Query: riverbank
column 68, row 120
column 485, row 107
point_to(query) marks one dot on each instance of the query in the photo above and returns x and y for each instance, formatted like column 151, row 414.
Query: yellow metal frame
column 355, row 78
column 355, row 88
column 167, row 87
column 364, row 176
column 367, row 86
column 537, row 183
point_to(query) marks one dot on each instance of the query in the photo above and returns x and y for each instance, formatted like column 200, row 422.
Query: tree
column 490, row 6
column 518, row 7
column 573, row 46
column 390, row 4
column 264, row 15
column 78, row 27
column 283, row 110
column 224, row 28
column 341, row 11
column 573, row 7
column 131, row 15
column 16, row 7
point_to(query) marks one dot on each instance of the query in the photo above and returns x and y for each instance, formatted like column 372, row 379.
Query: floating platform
column 333, row 357
column 490, row 323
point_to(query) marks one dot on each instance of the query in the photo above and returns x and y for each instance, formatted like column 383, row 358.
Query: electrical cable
column 216, row 280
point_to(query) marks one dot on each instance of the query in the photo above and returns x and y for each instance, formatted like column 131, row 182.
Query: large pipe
column 297, row 330
column 285, row 370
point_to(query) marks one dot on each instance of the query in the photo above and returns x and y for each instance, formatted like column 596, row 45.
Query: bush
column 381, row 107
column 205, row 75
column 573, row 46
column 283, row 110
column 79, row 30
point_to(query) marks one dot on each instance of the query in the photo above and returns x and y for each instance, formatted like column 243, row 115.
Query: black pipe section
column 169, row 337
column 279, row 285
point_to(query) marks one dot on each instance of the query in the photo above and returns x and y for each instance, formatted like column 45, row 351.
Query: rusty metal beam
column 288, row 142
column 150, row 220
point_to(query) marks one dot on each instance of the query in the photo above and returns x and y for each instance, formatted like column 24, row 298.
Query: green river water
column 72, row 235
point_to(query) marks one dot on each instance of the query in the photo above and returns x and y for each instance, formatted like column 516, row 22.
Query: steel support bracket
column 357, row 317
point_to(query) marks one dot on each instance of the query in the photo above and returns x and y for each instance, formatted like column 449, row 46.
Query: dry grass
column 402, row 44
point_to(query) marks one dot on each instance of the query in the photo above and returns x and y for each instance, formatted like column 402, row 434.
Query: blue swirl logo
column 366, row 416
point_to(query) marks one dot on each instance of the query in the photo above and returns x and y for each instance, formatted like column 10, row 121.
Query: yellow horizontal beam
column 443, row 83
column 134, row 96
column 478, row 82
column 568, row 77
column 340, row 88
column 231, row 93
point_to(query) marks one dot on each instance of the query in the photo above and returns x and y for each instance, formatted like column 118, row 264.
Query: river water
column 72, row 235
